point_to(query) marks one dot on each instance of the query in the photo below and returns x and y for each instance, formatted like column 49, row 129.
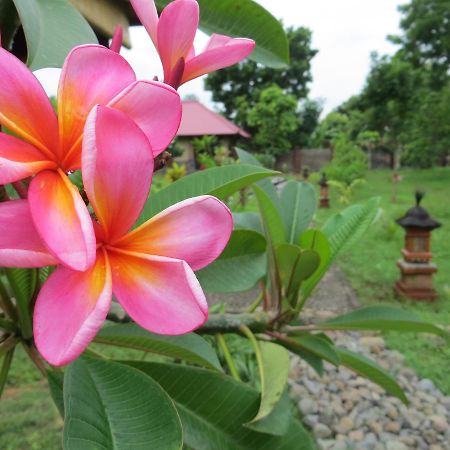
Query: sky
column 344, row 31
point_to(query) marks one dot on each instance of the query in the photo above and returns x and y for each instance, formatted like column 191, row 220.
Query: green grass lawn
column 371, row 269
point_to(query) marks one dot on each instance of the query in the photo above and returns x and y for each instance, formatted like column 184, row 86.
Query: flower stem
column 36, row 358
column 228, row 358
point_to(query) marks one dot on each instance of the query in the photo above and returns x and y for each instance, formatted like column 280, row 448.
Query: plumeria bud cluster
column 112, row 127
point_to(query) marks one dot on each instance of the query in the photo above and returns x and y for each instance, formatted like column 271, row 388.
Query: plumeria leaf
column 272, row 222
column 225, row 17
column 266, row 184
column 248, row 221
column 23, row 284
column 190, row 347
column 383, row 318
column 213, row 419
column 218, row 181
column 371, row 370
column 239, row 267
column 298, row 202
column 273, row 371
column 114, row 406
column 52, row 28
column 55, row 379
column 317, row 241
column 277, row 422
column 313, row 344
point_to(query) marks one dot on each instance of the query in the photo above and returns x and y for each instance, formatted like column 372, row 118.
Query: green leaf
column 5, row 365
column 371, row 370
column 317, row 241
column 113, row 406
column 346, row 227
column 213, row 407
column 273, row 370
column 240, row 266
column 23, row 284
column 287, row 256
column 248, row 221
column 298, row 203
column 266, row 185
column 295, row 266
column 381, row 317
column 77, row 179
column 272, row 222
column 219, row 181
column 277, row 422
column 245, row 18
column 52, row 28
column 315, row 345
column 190, row 347
column 55, row 379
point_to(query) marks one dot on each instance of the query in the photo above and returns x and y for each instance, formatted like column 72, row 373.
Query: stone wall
column 312, row 158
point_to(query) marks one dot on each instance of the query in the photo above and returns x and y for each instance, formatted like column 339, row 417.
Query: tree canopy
column 247, row 79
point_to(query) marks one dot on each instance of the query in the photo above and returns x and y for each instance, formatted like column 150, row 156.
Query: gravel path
column 347, row 412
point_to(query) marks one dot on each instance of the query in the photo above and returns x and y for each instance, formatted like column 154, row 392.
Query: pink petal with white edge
column 160, row 294
column 92, row 74
column 155, row 107
column 62, row 219
column 221, row 52
column 70, row 309
column 176, row 32
column 19, row 160
column 194, row 230
column 148, row 15
column 20, row 244
column 24, row 106
column 117, row 169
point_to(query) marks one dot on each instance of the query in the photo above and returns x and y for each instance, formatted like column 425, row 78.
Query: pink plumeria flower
column 48, row 146
column 149, row 269
column 173, row 36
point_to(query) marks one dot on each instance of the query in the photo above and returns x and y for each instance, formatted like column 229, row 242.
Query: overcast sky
column 345, row 32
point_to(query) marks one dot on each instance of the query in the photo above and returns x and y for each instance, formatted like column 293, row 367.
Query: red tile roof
column 198, row 120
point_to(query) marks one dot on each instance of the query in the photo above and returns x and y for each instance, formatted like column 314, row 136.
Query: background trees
column 247, row 92
column 406, row 96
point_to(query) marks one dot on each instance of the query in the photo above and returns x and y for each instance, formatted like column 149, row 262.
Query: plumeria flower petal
column 158, row 290
column 160, row 294
column 70, row 309
column 159, row 235
column 155, row 107
column 173, row 35
column 20, row 244
column 62, row 219
column 48, row 147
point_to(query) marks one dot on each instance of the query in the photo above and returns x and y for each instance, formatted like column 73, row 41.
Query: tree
column 275, row 118
column 349, row 161
column 308, row 116
column 427, row 138
column 332, row 126
column 426, row 38
column 246, row 80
